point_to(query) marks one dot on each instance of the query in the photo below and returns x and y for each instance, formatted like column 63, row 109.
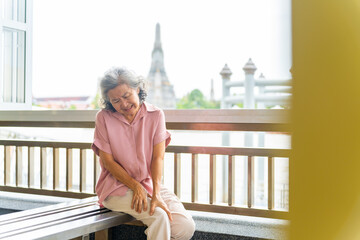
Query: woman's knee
column 182, row 227
column 158, row 225
column 160, row 214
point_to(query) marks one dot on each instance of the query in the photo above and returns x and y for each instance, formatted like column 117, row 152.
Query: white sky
column 76, row 41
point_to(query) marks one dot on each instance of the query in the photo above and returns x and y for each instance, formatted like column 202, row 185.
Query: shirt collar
column 144, row 109
column 149, row 107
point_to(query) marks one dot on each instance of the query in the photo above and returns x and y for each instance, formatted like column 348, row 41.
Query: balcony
column 206, row 178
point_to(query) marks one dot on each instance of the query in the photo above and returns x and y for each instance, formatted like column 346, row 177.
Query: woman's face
column 125, row 100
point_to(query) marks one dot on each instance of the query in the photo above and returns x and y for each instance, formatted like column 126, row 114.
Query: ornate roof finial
column 226, row 72
column 249, row 67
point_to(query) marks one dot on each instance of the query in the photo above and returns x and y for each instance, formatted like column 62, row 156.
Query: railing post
column 82, row 170
column 194, row 177
column 31, row 169
column 177, row 174
column 212, row 184
column 4, row 165
column 7, row 165
column 271, row 183
column 250, row 181
column 56, row 169
column 225, row 142
column 18, row 168
column 231, row 184
column 69, row 169
column 43, row 167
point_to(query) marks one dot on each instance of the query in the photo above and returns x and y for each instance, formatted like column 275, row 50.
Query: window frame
column 27, row 27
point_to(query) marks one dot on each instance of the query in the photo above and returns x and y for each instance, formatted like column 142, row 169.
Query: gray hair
column 117, row 76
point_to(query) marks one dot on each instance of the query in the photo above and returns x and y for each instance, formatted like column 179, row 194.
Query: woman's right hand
column 139, row 200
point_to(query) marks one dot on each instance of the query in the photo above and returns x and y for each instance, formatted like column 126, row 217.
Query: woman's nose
column 123, row 103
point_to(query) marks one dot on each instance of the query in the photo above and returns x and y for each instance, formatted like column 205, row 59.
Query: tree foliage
column 72, row 107
column 95, row 104
column 196, row 100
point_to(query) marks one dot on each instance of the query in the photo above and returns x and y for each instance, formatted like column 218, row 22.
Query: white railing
column 19, row 158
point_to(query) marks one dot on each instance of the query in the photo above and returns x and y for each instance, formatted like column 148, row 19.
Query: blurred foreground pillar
column 325, row 167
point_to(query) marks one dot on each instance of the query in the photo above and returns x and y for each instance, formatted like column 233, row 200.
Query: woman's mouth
column 128, row 109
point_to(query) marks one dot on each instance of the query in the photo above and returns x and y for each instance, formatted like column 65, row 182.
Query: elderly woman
column 130, row 138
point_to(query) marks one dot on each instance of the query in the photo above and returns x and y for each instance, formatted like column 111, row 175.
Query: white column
column 225, row 74
column 249, row 69
column 261, row 104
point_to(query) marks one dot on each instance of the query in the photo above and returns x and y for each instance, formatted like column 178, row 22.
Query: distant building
column 160, row 91
column 78, row 103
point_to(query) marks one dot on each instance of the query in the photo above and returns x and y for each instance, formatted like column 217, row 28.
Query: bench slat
column 13, row 219
column 60, row 221
column 49, row 220
column 56, row 207
column 75, row 228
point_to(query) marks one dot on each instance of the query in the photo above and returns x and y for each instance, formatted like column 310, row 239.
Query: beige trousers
column 158, row 225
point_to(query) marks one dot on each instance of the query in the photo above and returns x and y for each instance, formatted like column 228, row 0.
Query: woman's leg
column 158, row 224
column 182, row 226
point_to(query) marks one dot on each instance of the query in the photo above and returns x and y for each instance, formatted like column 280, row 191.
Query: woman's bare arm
column 156, row 173
column 139, row 200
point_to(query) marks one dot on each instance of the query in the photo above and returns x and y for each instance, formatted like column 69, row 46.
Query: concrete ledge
column 21, row 201
column 241, row 225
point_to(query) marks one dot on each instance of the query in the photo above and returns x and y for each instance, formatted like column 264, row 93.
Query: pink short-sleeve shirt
column 131, row 145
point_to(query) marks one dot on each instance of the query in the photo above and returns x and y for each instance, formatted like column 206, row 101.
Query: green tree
column 196, row 100
column 240, row 105
column 95, row 104
column 72, row 107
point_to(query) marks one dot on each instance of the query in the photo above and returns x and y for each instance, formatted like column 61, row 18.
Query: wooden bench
column 61, row 221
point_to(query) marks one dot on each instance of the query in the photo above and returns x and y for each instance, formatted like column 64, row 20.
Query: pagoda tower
column 160, row 91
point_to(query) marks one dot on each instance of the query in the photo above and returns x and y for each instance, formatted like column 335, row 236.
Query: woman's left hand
column 157, row 201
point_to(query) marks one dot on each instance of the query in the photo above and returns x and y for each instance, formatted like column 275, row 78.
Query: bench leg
column 103, row 234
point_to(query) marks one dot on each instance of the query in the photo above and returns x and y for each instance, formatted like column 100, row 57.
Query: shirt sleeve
column 101, row 139
column 161, row 133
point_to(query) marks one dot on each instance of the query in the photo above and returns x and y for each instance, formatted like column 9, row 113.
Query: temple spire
column 157, row 63
column 157, row 37
column 161, row 91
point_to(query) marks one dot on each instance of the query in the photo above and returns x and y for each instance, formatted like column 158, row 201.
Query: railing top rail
column 215, row 119
column 172, row 148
